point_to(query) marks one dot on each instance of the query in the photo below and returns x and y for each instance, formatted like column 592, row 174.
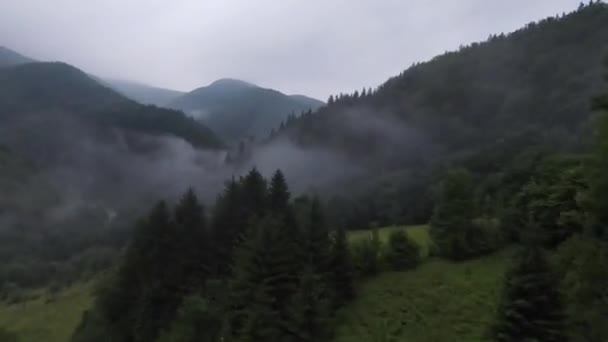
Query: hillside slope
column 79, row 159
column 46, row 317
column 439, row 301
column 237, row 109
column 533, row 84
column 59, row 87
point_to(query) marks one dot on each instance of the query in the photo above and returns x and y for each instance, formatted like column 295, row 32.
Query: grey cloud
column 311, row 47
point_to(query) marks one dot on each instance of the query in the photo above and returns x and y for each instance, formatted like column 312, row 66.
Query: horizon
column 283, row 59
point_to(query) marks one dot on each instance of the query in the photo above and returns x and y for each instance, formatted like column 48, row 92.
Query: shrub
column 403, row 253
column 366, row 256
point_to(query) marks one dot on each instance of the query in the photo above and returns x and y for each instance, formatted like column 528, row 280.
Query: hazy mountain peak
column 236, row 109
column 143, row 93
column 232, row 82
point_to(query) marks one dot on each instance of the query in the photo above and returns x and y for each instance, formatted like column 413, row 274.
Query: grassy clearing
column 47, row 319
column 420, row 234
column 438, row 301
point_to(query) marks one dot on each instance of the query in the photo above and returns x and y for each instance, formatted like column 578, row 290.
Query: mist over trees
column 495, row 148
column 274, row 277
column 477, row 107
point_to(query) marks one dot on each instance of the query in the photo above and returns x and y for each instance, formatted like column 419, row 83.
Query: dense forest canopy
column 480, row 107
column 534, row 82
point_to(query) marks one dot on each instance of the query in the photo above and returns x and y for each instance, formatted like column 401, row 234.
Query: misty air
column 303, row 171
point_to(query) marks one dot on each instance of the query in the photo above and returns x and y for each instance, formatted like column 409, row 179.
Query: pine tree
column 262, row 322
column 254, row 196
column 279, row 195
column 193, row 253
column 159, row 292
column 452, row 221
column 317, row 239
column 309, row 310
column 403, row 252
column 531, row 308
column 228, row 227
column 144, row 297
column 279, row 202
column 341, row 276
column 263, row 283
column 292, row 256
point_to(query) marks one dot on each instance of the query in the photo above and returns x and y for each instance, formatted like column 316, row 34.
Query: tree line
column 261, row 268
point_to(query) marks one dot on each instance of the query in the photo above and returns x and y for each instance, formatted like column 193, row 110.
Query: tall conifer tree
column 531, row 307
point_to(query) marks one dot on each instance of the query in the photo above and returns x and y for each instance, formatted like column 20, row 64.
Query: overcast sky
column 312, row 47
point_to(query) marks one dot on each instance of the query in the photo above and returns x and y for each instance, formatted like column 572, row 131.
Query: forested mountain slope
column 236, row 109
column 144, row 94
column 38, row 87
column 533, row 84
column 69, row 150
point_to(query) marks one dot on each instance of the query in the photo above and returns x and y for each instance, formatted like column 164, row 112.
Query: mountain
column 10, row 58
column 77, row 159
column 236, row 109
column 532, row 86
column 486, row 107
column 52, row 87
column 307, row 101
column 143, row 93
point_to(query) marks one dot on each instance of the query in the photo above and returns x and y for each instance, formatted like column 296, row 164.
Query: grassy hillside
column 47, row 318
column 411, row 306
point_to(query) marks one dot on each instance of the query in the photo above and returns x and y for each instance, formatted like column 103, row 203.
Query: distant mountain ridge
column 531, row 86
column 232, row 108
column 9, row 58
column 143, row 93
column 237, row 109
column 59, row 87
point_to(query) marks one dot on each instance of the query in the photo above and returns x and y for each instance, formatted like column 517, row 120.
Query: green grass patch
column 420, row 234
column 46, row 318
column 438, row 301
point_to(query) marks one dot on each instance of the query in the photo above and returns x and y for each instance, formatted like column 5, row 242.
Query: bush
column 366, row 256
column 403, row 253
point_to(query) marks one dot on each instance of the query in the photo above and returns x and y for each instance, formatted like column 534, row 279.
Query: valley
column 465, row 198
